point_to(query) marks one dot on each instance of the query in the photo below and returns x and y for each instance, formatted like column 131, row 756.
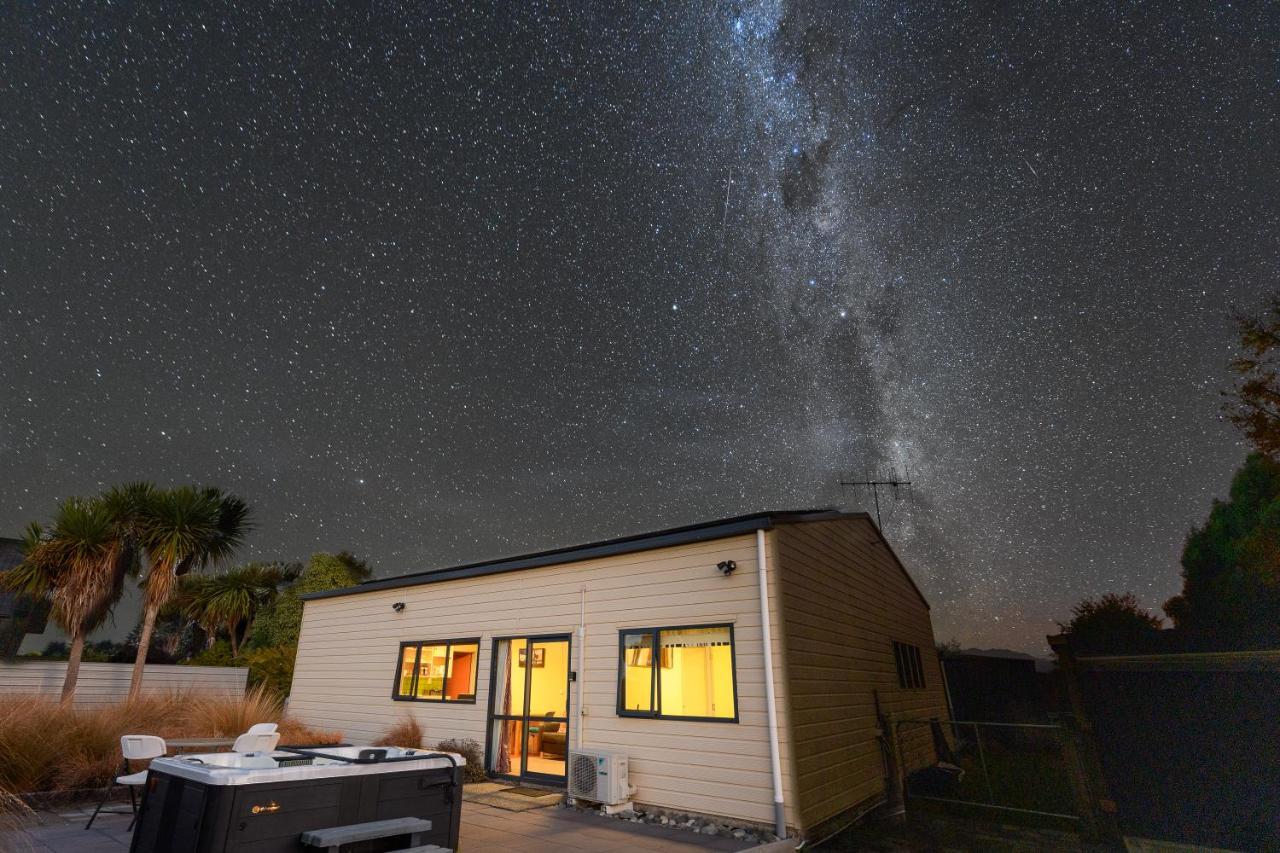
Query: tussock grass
column 222, row 715
column 45, row 746
column 14, row 814
column 294, row 733
column 407, row 733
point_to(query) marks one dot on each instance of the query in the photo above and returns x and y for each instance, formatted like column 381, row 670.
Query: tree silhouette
column 1111, row 624
column 182, row 530
column 79, row 566
column 1254, row 404
column 1230, row 595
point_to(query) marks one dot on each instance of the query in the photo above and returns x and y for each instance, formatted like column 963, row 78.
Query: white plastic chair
column 262, row 729
column 249, row 742
column 133, row 748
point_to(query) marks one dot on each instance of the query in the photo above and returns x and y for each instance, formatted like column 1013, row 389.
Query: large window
column 438, row 671
column 680, row 673
column 910, row 669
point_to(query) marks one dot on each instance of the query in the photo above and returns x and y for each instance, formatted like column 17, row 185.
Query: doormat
column 504, row 798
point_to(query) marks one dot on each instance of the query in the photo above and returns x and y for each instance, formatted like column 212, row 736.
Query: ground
column 484, row 828
column 926, row 832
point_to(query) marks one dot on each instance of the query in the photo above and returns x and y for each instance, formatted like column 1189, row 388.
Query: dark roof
column 624, row 545
column 11, row 602
column 10, row 553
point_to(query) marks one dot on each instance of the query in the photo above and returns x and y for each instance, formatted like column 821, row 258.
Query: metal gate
column 1027, row 768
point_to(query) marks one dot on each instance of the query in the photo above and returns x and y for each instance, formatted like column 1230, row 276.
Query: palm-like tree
column 182, row 530
column 127, row 505
column 79, row 565
column 229, row 601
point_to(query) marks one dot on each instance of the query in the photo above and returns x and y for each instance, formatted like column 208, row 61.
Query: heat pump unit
column 599, row 776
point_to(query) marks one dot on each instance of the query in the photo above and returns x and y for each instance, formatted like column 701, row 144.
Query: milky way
column 436, row 282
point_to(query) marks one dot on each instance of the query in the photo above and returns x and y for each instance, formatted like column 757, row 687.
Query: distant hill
column 1042, row 664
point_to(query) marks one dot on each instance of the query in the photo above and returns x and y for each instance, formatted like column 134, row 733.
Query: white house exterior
column 653, row 645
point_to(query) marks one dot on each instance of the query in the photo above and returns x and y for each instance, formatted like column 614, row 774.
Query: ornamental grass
column 49, row 747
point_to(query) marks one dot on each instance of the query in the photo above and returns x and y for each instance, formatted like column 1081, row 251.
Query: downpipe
column 771, row 703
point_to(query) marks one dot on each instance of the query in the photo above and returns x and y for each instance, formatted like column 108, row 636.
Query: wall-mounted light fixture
column 398, row 607
column 726, row 567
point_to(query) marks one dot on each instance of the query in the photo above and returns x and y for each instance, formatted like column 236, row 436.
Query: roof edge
column 892, row 553
column 703, row 532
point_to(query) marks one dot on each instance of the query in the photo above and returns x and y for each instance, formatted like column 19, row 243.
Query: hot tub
column 262, row 802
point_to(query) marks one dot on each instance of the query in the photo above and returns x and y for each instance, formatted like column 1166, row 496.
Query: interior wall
column 548, row 690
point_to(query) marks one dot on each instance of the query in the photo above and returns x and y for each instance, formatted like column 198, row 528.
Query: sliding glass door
column 529, row 708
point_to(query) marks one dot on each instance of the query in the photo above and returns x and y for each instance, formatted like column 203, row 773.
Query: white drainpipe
column 582, row 665
column 779, row 808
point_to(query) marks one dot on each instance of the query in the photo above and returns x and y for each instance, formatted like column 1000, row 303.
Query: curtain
column 502, row 751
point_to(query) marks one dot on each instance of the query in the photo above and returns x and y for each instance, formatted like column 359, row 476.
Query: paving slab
column 484, row 828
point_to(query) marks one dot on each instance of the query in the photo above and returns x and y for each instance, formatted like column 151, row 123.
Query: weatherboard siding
column 347, row 661
column 100, row 684
column 845, row 600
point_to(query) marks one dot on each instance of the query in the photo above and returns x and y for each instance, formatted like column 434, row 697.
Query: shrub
column 407, row 733
column 219, row 654
column 278, row 623
column 272, row 668
column 470, row 750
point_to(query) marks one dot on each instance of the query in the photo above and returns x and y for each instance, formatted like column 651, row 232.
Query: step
column 334, row 837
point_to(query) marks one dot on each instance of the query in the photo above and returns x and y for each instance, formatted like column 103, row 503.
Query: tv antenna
column 892, row 482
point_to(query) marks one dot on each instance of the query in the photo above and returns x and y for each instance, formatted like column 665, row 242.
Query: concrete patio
column 484, row 828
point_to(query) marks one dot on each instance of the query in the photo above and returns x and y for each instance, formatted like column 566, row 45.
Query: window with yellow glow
column 439, row 671
column 682, row 673
column 637, row 668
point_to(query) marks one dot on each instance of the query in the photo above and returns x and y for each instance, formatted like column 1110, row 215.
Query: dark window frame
column 528, row 719
column 910, row 665
column 655, row 685
column 417, row 645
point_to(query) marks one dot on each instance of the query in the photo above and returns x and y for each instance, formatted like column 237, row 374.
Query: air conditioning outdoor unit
column 599, row 776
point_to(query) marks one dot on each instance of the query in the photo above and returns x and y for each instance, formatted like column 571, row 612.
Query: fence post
column 982, row 756
column 1069, row 676
column 1097, row 812
column 1088, row 784
column 895, row 780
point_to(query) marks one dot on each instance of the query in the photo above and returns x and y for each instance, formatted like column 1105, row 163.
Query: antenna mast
column 893, row 482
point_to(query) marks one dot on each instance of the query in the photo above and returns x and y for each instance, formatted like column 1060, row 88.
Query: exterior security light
column 726, row 567
column 398, row 607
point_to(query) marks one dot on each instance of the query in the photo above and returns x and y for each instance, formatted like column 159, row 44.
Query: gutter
column 771, row 703
column 562, row 556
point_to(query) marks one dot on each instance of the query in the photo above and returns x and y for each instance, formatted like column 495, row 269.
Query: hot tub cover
column 234, row 768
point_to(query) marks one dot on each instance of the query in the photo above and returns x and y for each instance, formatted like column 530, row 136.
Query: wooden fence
column 1189, row 743
column 107, row 683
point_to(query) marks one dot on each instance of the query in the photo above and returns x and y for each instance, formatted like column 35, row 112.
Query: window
column 440, row 671
column 910, row 670
column 678, row 673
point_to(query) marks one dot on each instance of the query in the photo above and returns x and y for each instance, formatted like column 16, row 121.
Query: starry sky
column 436, row 282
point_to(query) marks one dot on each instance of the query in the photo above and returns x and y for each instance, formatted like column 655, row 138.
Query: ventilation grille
column 582, row 776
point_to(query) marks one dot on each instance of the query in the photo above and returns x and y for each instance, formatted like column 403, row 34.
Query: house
column 739, row 663
column 20, row 614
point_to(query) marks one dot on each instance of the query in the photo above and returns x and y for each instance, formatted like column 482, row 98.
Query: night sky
column 436, row 282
